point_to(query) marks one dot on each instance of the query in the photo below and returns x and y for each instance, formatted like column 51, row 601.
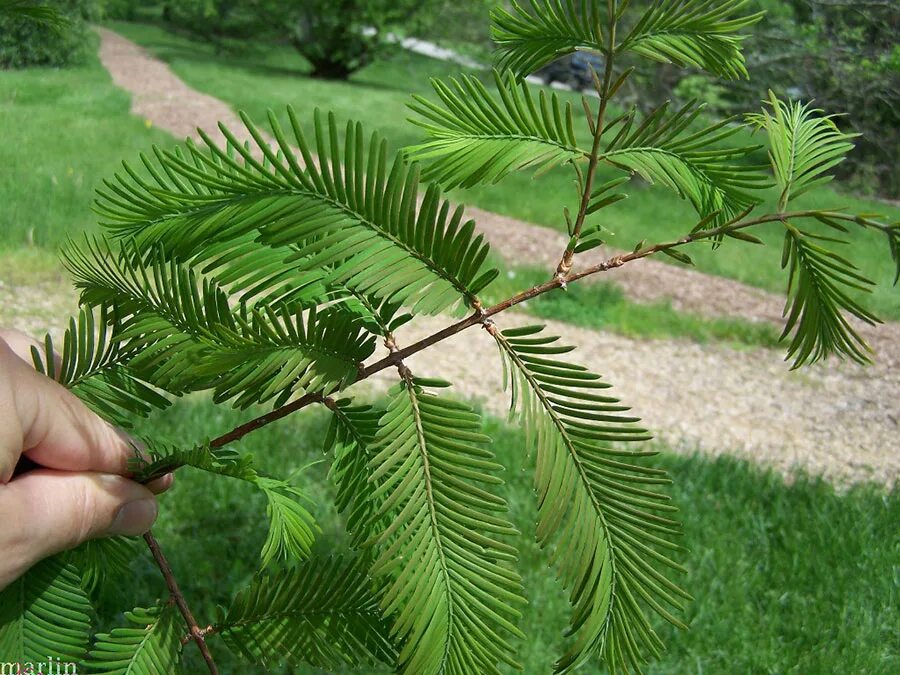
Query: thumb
column 45, row 511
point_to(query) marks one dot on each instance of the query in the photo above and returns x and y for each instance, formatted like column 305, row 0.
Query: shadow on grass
column 252, row 59
column 786, row 576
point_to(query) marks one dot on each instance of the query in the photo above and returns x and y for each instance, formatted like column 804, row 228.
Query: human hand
column 80, row 490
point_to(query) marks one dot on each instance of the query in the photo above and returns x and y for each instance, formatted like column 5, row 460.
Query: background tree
column 845, row 56
column 53, row 33
column 223, row 22
column 337, row 37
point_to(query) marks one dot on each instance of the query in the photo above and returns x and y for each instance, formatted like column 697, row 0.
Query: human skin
column 80, row 489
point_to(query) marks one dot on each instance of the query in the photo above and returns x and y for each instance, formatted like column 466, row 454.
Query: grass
column 74, row 127
column 786, row 578
column 603, row 306
column 275, row 76
column 64, row 130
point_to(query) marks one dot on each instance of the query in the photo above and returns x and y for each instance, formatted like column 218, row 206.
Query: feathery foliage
column 452, row 589
column 264, row 271
column 185, row 336
column 608, row 526
column 152, row 646
column 91, row 366
column 347, row 210
column 698, row 33
column 292, row 529
column 351, row 441
column 527, row 40
column 662, row 148
column 98, row 560
column 45, row 612
column 804, row 145
column 480, row 139
column 379, row 317
column 819, row 286
column 322, row 613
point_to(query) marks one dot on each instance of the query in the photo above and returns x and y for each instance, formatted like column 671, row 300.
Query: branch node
column 565, row 265
column 196, row 634
column 404, row 371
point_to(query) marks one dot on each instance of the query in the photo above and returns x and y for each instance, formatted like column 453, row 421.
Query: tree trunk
column 331, row 69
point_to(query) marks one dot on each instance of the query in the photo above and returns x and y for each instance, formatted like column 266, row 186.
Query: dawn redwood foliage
column 269, row 273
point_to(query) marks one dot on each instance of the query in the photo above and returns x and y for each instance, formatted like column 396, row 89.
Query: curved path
column 837, row 420
column 162, row 97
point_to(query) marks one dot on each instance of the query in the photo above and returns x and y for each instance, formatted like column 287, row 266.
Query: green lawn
column 73, row 127
column 787, row 578
column 602, row 306
column 274, row 76
column 64, row 131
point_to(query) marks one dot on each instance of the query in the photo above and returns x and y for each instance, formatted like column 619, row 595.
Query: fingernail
column 162, row 484
column 135, row 518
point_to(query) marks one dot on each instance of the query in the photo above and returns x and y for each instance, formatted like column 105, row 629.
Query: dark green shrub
column 337, row 37
column 223, row 22
column 125, row 10
column 25, row 42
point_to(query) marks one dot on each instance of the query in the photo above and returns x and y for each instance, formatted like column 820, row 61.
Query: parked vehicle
column 573, row 70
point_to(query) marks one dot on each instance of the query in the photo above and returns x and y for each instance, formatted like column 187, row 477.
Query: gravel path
column 158, row 95
column 161, row 96
column 837, row 420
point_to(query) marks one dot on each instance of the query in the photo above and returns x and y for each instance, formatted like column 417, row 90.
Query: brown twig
column 209, row 630
column 481, row 316
column 197, row 634
column 565, row 264
column 239, row 432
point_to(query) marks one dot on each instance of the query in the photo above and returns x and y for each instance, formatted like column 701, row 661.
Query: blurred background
column 843, row 55
column 786, row 480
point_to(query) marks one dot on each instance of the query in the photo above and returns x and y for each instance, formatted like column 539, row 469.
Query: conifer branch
column 605, row 93
column 175, row 595
column 481, row 316
column 732, row 226
column 264, row 275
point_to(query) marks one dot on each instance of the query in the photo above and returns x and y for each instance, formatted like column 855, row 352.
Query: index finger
column 51, row 426
column 22, row 344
